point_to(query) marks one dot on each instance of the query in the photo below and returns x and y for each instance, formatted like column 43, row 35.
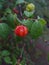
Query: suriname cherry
column 21, row 31
column 15, row 11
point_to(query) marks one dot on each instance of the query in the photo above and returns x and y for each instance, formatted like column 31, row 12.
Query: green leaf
column 18, row 21
column 14, row 60
column 28, row 23
column 4, row 30
column 28, row 14
column 0, row 61
column 36, row 30
column 1, row 6
column 7, row 60
column 0, row 58
column 23, row 62
column 19, row 1
column 11, row 20
column 8, row 10
column 5, row 53
column 48, row 57
column 18, row 39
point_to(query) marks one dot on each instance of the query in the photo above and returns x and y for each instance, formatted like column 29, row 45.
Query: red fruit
column 21, row 31
column 15, row 11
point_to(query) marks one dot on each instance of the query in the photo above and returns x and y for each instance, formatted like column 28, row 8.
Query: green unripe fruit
column 30, row 7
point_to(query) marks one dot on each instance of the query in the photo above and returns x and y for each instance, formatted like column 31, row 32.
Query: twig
column 18, row 62
column 28, row 59
column 20, row 10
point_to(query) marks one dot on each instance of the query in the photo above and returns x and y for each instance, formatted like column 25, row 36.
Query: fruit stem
column 20, row 9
